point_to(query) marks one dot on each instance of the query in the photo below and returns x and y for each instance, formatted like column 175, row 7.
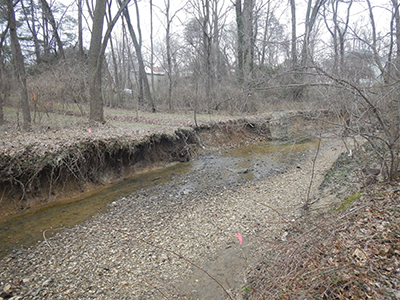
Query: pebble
column 147, row 239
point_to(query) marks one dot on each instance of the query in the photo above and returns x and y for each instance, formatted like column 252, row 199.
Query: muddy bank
column 54, row 164
column 125, row 252
column 222, row 167
column 30, row 179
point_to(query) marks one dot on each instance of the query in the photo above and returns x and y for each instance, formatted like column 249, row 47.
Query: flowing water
column 244, row 163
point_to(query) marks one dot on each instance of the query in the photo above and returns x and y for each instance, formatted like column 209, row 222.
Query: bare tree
column 95, row 63
column 4, row 76
column 152, row 51
column 19, row 65
column 310, row 19
column 338, row 32
column 168, row 20
column 31, row 22
column 272, row 36
column 80, row 30
column 373, row 44
column 49, row 14
column 396, row 16
column 168, row 46
column 294, row 34
column 245, row 41
column 138, row 49
column 207, row 37
column 98, row 44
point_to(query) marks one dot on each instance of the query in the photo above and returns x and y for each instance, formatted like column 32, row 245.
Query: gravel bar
column 152, row 244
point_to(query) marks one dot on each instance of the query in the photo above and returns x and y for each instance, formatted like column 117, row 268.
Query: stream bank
column 128, row 251
column 32, row 178
column 58, row 163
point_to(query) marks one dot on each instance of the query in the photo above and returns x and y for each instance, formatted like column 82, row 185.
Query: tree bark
column 4, row 77
column 374, row 41
column 240, row 40
column 45, row 33
column 80, row 35
column 32, row 28
column 311, row 17
column 294, row 34
column 265, row 34
column 169, row 58
column 338, row 33
column 152, row 50
column 207, row 52
column 397, row 37
column 116, row 77
column 53, row 24
column 98, row 45
column 245, row 38
column 95, row 63
column 142, row 72
column 19, row 65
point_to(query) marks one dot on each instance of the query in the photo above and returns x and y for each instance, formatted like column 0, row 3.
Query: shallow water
column 244, row 163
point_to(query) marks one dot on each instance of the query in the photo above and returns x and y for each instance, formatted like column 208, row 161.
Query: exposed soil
column 140, row 247
column 58, row 161
column 46, row 166
column 168, row 241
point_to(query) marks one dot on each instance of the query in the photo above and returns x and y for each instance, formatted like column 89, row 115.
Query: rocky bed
column 152, row 244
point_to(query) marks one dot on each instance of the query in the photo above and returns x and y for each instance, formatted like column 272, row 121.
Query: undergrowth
column 350, row 254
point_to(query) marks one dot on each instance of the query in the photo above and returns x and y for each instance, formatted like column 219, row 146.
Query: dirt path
column 119, row 254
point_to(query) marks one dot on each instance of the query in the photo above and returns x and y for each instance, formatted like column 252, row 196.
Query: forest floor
column 53, row 131
column 313, row 231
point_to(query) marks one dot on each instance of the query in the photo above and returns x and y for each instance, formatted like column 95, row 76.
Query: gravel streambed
column 129, row 252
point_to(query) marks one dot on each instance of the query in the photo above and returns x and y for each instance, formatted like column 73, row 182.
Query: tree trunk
column 397, row 37
column 1, row 109
column 294, row 34
column 373, row 46
column 152, row 50
column 116, row 76
column 207, row 53
column 240, row 40
column 342, row 34
column 95, row 63
column 338, row 33
column 98, row 45
column 80, row 35
column 311, row 17
column 45, row 33
column 53, row 24
column 19, row 65
column 296, row 92
column 217, row 73
column 142, row 72
column 169, row 58
column 32, row 28
column 245, row 31
column 4, row 77
column 34, row 34
column 248, row 10
column 265, row 34
column 334, row 34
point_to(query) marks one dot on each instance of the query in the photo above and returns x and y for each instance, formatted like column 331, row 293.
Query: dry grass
column 353, row 254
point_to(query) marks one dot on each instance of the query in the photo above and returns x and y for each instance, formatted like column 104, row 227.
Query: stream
column 233, row 166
